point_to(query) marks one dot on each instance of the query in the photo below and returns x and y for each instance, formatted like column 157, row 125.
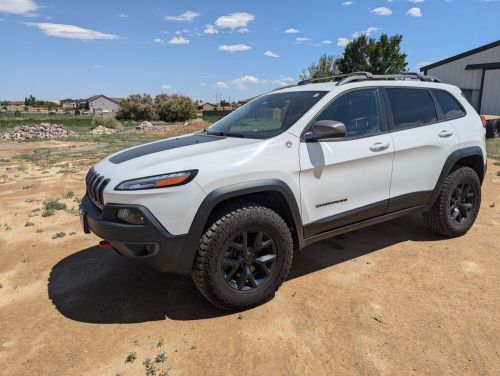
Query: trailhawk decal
column 157, row 147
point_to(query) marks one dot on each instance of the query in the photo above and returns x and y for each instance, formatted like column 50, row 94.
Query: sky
column 55, row 49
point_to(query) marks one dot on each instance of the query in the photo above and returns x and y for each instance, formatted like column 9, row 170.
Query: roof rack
column 367, row 76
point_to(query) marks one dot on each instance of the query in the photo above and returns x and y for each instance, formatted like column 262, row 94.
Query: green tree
column 362, row 54
column 30, row 101
column 326, row 66
column 224, row 103
column 137, row 107
column 365, row 54
column 174, row 107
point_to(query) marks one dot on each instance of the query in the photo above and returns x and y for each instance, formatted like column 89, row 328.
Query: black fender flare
column 233, row 191
column 452, row 159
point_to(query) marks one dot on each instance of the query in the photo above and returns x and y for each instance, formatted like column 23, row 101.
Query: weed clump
column 50, row 206
column 59, row 235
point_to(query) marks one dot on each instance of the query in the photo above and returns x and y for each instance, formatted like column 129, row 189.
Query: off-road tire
column 207, row 272
column 438, row 217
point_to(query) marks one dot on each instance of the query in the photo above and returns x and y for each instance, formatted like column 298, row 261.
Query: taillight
column 483, row 119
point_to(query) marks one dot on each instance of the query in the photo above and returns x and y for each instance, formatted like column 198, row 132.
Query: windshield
column 267, row 116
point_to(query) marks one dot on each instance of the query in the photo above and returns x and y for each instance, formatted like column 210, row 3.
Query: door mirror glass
column 324, row 129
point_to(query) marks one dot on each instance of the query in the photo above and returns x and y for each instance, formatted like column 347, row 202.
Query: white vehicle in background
column 230, row 205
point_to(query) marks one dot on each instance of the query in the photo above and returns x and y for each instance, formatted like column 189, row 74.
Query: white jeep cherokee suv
column 230, row 205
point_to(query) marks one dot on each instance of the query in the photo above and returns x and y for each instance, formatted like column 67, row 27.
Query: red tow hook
column 104, row 244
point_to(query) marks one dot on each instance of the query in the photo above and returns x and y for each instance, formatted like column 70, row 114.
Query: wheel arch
column 272, row 193
column 468, row 157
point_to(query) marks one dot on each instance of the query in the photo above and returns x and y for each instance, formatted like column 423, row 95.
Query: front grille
column 95, row 186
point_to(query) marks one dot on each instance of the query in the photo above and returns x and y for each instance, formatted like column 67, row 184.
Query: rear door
column 423, row 140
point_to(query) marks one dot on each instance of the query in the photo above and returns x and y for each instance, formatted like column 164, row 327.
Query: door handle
column 379, row 146
column 445, row 134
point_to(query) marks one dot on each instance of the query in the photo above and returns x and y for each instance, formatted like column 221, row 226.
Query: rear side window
column 411, row 107
column 450, row 106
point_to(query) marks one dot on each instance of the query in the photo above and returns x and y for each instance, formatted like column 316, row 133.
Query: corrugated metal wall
column 470, row 81
column 491, row 93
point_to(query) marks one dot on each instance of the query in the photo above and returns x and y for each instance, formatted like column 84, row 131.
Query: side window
column 450, row 106
column 411, row 107
column 359, row 110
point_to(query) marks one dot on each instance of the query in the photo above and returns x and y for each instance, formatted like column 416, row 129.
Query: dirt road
column 393, row 299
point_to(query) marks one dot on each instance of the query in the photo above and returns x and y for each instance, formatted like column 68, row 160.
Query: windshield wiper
column 225, row 134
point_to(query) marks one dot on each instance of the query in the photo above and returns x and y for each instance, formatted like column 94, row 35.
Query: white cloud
column 348, row 2
column 342, row 42
column 246, row 80
column 414, row 12
column 210, row 29
column 123, row 15
column 71, row 31
column 382, row 11
column 292, row 31
column 159, row 41
column 18, row 7
column 416, row 1
column 188, row 16
column 203, row 84
column 326, row 41
column 178, row 40
column 301, row 40
column 283, row 81
column 98, row 66
column 166, row 87
column 234, row 47
column 221, row 85
column 271, row 54
column 243, row 30
column 234, row 21
column 368, row 32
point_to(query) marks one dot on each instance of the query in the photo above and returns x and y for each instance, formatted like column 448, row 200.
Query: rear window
column 411, row 107
column 450, row 106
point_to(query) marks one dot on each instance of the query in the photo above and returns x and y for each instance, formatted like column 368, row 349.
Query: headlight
column 158, row 181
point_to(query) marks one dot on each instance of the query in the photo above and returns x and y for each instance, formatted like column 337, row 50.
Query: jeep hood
column 165, row 156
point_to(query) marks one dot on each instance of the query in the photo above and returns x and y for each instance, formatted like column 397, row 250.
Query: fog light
column 132, row 216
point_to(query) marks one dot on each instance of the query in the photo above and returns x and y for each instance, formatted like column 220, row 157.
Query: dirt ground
column 393, row 299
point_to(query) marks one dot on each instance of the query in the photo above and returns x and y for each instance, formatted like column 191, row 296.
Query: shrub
column 137, row 107
column 105, row 121
column 174, row 107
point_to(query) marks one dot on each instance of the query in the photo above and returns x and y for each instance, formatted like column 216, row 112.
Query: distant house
column 99, row 104
column 206, row 106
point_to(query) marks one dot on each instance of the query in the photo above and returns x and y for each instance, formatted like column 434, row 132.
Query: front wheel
column 243, row 257
column 457, row 206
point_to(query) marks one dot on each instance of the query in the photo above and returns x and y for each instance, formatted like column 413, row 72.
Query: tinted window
column 267, row 116
column 450, row 106
column 358, row 110
column 411, row 107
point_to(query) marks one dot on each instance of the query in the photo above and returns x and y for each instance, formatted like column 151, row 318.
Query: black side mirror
column 326, row 129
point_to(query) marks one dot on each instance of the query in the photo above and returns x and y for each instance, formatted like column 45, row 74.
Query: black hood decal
column 156, row 147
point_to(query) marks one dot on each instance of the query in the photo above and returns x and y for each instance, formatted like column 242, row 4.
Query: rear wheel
column 457, row 206
column 243, row 257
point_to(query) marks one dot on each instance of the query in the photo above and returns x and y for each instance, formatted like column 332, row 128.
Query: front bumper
column 150, row 243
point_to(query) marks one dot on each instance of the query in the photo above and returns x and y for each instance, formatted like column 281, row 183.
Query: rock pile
column 102, row 130
column 43, row 130
column 144, row 125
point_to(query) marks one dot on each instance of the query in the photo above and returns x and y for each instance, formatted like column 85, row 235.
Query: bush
column 174, row 107
column 105, row 121
column 137, row 107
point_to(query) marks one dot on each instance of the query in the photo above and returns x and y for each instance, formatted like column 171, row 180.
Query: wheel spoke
column 257, row 243
column 233, row 264
column 238, row 246
column 243, row 278
column 245, row 240
column 252, row 280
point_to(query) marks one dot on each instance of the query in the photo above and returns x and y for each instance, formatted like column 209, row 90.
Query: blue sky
column 55, row 49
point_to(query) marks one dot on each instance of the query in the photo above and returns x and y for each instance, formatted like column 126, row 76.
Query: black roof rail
column 367, row 76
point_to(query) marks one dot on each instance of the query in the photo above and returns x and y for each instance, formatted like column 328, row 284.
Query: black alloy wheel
column 249, row 260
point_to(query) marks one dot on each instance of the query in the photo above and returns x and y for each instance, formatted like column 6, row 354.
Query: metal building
column 477, row 73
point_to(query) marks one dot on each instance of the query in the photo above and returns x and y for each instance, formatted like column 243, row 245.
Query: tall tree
column 381, row 56
column 362, row 54
column 326, row 66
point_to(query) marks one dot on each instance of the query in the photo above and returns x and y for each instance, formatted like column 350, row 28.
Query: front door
column 347, row 180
